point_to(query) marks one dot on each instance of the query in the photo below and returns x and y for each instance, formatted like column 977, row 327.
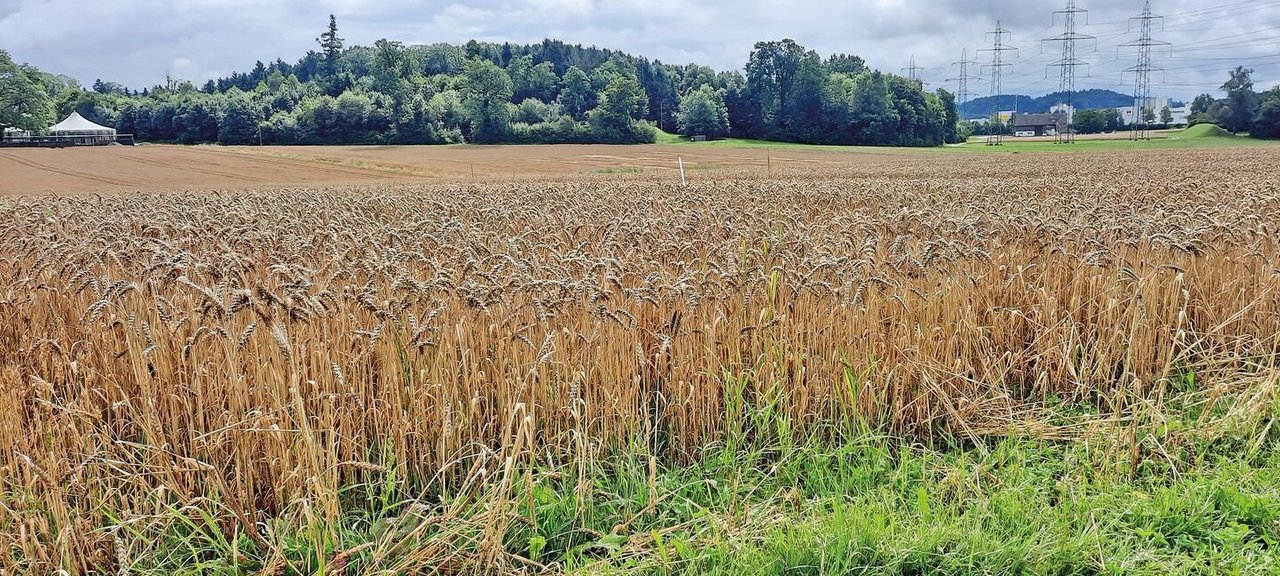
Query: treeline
column 549, row 92
column 1243, row 109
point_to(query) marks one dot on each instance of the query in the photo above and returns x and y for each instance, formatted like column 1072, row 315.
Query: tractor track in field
column 64, row 172
column 205, row 171
column 311, row 165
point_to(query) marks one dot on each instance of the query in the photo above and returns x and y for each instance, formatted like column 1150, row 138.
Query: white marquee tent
column 75, row 126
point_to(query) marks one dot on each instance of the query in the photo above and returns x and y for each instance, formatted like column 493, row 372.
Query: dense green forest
column 550, row 92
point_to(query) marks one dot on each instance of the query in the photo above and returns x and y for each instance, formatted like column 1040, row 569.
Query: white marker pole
column 682, row 181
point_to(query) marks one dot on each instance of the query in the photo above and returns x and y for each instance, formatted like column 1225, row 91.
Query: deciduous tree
column 703, row 112
column 486, row 92
column 1200, row 106
column 1242, row 103
column 1267, row 123
column 575, row 94
column 23, row 102
column 239, row 123
column 622, row 103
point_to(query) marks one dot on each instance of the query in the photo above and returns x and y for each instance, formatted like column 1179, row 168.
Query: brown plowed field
column 155, row 167
column 124, row 168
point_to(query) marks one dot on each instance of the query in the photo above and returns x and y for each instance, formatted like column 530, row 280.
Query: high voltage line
column 963, row 94
column 1068, row 63
column 998, row 49
column 1188, row 57
column 913, row 71
column 1142, row 73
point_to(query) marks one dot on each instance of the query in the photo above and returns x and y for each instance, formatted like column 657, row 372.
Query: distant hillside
column 1084, row 100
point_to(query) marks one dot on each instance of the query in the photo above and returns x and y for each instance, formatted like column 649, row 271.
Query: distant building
column 1040, row 124
column 1003, row 115
column 1065, row 110
column 1181, row 114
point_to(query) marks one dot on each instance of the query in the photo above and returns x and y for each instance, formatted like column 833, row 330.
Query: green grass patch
column 620, row 170
column 872, row 505
column 669, row 138
column 1205, row 131
column 1165, row 141
column 847, row 500
column 1199, row 136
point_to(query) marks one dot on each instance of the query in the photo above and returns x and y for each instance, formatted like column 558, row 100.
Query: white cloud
column 137, row 41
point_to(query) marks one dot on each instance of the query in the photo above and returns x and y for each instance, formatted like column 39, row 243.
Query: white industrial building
column 1181, row 114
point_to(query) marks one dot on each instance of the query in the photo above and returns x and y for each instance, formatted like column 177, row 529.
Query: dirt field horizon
column 114, row 169
column 177, row 168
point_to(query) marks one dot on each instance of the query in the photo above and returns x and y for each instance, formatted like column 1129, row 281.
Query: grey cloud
column 137, row 42
column 7, row 9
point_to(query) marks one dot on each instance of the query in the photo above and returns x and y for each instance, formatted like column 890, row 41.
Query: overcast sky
column 136, row 42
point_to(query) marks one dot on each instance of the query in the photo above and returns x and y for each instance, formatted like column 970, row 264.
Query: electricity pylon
column 998, row 64
column 1139, row 129
column 1068, row 64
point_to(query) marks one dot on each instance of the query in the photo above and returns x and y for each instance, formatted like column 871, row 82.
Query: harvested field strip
column 63, row 171
column 278, row 160
column 353, row 165
column 198, row 170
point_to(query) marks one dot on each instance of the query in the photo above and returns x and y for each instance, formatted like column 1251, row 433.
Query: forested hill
column 1084, row 100
column 549, row 92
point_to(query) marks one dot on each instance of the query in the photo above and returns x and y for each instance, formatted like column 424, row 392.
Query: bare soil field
column 156, row 168
column 123, row 168
column 534, row 161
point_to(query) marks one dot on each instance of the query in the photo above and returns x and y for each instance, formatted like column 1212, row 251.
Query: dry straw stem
column 275, row 337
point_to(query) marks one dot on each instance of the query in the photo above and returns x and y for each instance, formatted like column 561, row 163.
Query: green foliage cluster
column 24, row 102
column 1098, row 121
column 1243, row 109
column 703, row 112
column 791, row 95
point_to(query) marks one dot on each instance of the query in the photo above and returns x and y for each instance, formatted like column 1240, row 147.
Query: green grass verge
column 1161, row 496
column 1199, row 136
column 669, row 138
column 676, row 139
column 870, row 506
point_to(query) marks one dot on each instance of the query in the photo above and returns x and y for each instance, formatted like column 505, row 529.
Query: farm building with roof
column 1040, row 124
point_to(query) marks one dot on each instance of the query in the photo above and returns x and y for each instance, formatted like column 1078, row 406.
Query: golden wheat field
column 229, row 358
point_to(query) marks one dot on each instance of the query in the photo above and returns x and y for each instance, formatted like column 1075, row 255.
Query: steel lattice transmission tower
column 1139, row 128
column 998, row 64
column 913, row 71
column 963, row 94
column 1068, row 63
